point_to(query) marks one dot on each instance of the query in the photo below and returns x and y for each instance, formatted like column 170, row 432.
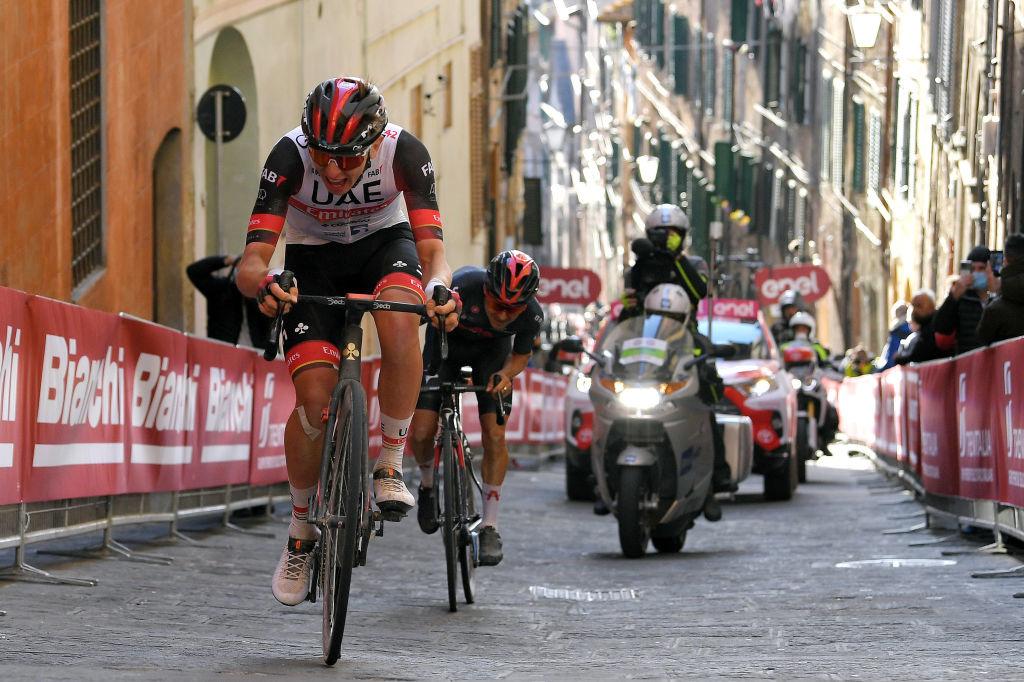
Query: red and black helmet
column 344, row 116
column 513, row 278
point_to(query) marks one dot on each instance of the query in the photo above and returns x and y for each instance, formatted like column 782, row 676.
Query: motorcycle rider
column 789, row 305
column 661, row 258
column 801, row 328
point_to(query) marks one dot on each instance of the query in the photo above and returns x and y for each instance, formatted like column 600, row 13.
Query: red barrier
column 939, row 457
column 161, row 405
column 78, row 378
column 978, row 469
column 912, row 419
column 14, row 404
column 273, row 402
column 223, row 433
column 1008, row 421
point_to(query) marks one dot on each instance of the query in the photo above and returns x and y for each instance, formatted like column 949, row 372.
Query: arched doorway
column 231, row 65
column 168, row 233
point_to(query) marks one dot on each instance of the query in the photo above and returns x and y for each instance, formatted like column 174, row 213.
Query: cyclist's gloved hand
column 500, row 384
column 436, row 312
column 272, row 295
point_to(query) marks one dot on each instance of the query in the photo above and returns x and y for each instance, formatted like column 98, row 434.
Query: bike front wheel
column 467, row 550
column 450, row 526
column 344, row 495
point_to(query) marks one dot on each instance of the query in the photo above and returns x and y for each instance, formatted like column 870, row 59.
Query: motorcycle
column 801, row 362
column 652, row 451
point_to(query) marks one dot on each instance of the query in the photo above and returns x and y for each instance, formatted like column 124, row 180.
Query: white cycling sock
column 394, row 433
column 300, row 527
column 427, row 475
column 492, row 498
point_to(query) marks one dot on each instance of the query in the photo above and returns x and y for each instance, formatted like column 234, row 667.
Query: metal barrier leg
column 997, row 547
column 1017, row 572
column 230, row 525
column 21, row 571
column 110, row 548
column 912, row 515
column 176, row 534
column 909, row 529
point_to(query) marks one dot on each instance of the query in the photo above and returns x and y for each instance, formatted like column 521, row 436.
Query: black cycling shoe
column 426, row 511
column 712, row 509
column 490, row 547
column 724, row 484
column 600, row 508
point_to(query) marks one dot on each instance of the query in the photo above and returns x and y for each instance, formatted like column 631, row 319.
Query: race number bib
column 649, row 350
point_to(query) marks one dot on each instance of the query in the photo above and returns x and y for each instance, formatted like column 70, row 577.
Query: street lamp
column 648, row 167
column 864, row 24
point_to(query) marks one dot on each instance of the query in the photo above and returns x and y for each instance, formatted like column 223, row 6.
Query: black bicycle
column 341, row 508
column 459, row 514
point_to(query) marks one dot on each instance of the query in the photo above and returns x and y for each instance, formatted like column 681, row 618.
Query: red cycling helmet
column 344, row 116
column 513, row 278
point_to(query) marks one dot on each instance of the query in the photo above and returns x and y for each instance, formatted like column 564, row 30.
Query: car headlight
column 639, row 398
column 583, row 383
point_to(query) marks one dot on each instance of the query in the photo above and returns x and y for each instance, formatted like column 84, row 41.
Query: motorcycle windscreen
column 651, row 348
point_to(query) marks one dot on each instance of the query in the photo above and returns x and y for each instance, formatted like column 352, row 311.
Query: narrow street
column 757, row 595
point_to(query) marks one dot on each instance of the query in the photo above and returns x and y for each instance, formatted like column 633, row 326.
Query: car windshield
column 649, row 348
column 745, row 335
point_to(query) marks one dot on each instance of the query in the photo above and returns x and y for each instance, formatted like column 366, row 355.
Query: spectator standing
column 1004, row 317
column 920, row 345
column 899, row 329
column 226, row 308
column 956, row 322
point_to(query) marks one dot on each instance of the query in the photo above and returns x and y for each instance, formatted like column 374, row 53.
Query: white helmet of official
column 668, row 299
column 802, row 319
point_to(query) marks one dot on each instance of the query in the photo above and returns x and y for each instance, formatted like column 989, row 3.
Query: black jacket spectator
column 225, row 305
column 920, row 346
column 956, row 321
column 1004, row 317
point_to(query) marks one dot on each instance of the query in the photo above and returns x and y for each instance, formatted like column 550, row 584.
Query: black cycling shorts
column 388, row 258
column 485, row 356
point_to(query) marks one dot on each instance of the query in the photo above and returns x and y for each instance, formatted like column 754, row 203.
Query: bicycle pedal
column 392, row 515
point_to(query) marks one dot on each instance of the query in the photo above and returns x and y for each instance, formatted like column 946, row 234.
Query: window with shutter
column 740, row 15
column 681, row 55
column 658, row 34
column 858, row 145
column 773, row 68
column 798, row 83
column 825, row 104
column 838, row 139
column 710, row 76
column 874, row 160
column 727, row 86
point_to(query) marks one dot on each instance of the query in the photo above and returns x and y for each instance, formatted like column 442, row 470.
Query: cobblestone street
column 757, row 595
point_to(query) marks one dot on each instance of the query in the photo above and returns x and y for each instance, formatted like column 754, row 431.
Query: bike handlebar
column 286, row 281
column 457, row 388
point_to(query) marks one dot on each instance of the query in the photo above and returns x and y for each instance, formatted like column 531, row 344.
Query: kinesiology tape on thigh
column 311, row 431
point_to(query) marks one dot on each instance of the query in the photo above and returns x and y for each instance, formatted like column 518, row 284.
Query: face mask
column 801, row 335
column 980, row 281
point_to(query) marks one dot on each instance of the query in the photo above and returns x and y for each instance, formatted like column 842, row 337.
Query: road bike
column 459, row 513
column 341, row 508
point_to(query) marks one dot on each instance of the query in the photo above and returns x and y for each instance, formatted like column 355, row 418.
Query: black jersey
column 473, row 323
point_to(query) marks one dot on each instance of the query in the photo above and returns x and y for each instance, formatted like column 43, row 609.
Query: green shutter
column 683, row 43
column 745, row 189
column 798, row 82
column 665, row 168
column 858, row 146
column 773, row 68
column 700, row 218
column 710, row 77
column 658, row 34
column 740, row 13
column 725, row 171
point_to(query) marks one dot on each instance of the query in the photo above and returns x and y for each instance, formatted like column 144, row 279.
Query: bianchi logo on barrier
column 78, row 389
column 9, row 357
column 229, row 404
column 163, row 397
column 271, row 435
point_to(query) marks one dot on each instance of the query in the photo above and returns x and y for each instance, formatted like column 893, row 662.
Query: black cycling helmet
column 344, row 116
column 513, row 278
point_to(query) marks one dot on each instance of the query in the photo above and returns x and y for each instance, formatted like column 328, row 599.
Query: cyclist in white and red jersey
column 357, row 194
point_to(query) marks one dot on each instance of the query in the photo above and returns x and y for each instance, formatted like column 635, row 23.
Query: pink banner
column 974, row 394
column 273, row 402
column 937, row 410
column 1008, row 420
column 223, row 428
column 160, row 406
column 858, row 409
column 77, row 422
column 15, row 407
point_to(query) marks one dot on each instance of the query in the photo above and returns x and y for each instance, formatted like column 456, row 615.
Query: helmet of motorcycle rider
column 669, row 300
column 788, row 298
column 666, row 226
column 802, row 319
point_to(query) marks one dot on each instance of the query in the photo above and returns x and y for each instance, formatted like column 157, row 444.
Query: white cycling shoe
column 390, row 493
column 291, row 578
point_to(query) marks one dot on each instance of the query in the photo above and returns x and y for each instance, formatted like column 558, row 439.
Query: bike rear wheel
column 344, row 494
column 450, row 526
column 467, row 553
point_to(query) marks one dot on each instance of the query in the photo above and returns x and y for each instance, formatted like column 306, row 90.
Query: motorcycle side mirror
column 572, row 344
column 724, row 350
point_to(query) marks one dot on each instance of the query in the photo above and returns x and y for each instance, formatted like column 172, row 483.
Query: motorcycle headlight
column 797, row 384
column 583, row 383
column 639, row 398
column 759, row 387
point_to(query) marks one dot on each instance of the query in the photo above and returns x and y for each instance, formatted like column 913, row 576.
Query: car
column 757, row 386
